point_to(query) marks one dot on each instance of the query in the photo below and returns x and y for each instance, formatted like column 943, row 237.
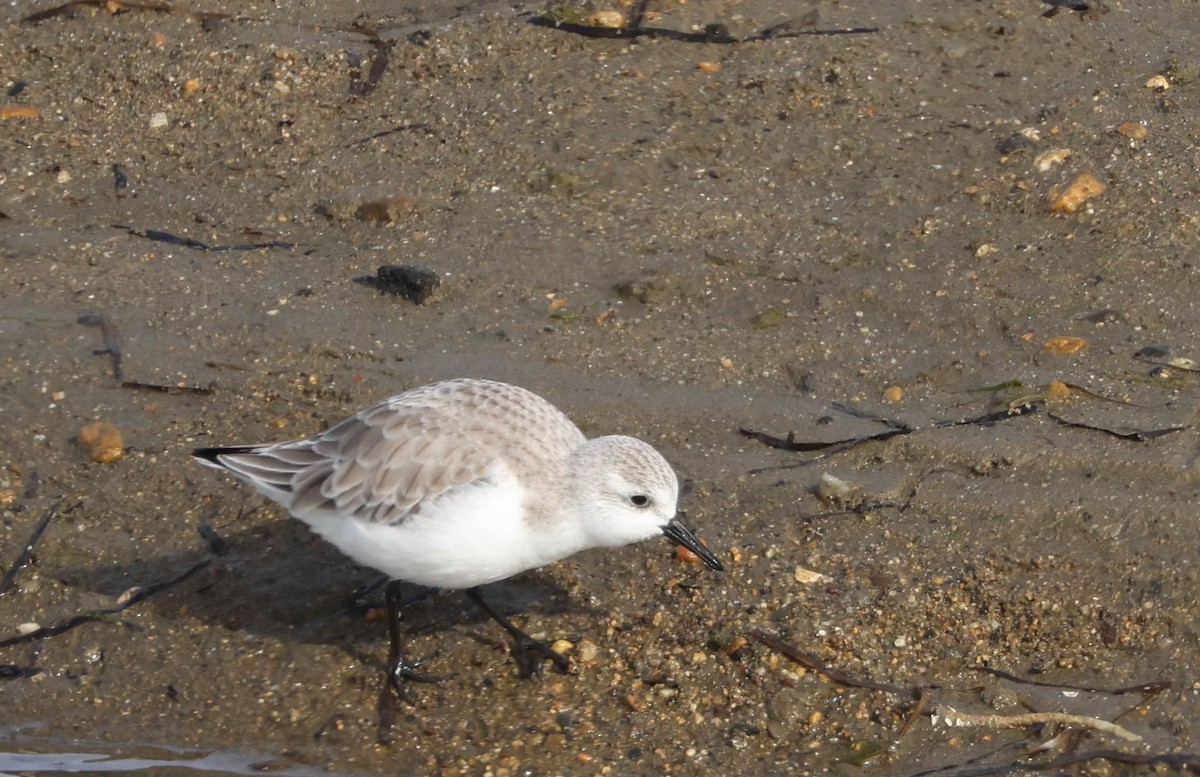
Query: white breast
column 471, row 535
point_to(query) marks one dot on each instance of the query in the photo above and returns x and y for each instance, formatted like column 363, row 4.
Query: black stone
column 415, row 284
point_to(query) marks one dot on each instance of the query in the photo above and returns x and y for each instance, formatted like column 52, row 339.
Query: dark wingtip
column 207, row 455
column 212, row 456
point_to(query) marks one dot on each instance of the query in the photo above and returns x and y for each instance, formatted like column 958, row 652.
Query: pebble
column 20, row 112
column 415, row 284
column 158, row 120
column 102, row 442
column 808, row 577
column 1083, row 188
column 1133, row 130
column 687, row 556
column 1064, row 345
column 588, row 651
column 1058, row 391
column 1046, row 160
column 833, row 490
column 612, row 20
column 386, row 210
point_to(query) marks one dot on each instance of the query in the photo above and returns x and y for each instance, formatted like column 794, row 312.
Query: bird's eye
column 639, row 500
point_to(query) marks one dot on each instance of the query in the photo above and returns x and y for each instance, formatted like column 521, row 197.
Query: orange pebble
column 685, row 555
column 1064, row 345
column 1133, row 131
column 20, row 112
column 102, row 442
column 1083, row 188
column 613, row 20
column 1058, row 391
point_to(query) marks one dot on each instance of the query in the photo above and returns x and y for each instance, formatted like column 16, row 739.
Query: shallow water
column 22, row 756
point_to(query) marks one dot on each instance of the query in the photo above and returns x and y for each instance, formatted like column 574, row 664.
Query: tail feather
column 211, row 457
column 269, row 468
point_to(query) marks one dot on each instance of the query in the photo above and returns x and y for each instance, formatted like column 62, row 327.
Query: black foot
column 395, row 690
column 528, row 652
column 402, row 669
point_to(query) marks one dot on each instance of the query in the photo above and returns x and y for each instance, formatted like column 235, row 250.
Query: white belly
column 472, row 535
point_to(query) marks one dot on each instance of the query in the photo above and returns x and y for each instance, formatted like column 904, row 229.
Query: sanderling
column 462, row 483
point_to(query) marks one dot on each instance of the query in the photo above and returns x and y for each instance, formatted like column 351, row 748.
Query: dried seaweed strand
column 1148, row 688
column 126, row 602
column 894, row 428
column 11, row 575
column 812, row 662
column 952, row 717
column 1190, row 761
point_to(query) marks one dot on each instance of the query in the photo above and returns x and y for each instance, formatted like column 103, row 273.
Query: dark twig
column 68, row 9
column 93, row 615
column 1183, row 761
column 812, row 662
column 639, row 14
column 164, row 389
column 216, row 543
column 160, row 236
column 1188, row 761
column 892, row 429
column 712, row 33
column 360, row 86
column 974, row 766
column 392, row 131
column 11, row 575
column 1137, row 435
column 1143, row 688
column 915, row 714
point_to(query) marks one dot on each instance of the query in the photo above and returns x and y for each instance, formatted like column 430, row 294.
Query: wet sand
column 819, row 235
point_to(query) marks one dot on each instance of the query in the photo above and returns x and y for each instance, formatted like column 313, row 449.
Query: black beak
column 677, row 532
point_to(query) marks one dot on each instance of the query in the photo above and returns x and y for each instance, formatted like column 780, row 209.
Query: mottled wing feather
column 274, row 469
column 383, row 464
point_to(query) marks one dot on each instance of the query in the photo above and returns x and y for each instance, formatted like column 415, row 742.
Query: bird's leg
column 400, row 667
column 528, row 652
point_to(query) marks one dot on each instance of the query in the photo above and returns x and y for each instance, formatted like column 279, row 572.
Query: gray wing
column 384, row 463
